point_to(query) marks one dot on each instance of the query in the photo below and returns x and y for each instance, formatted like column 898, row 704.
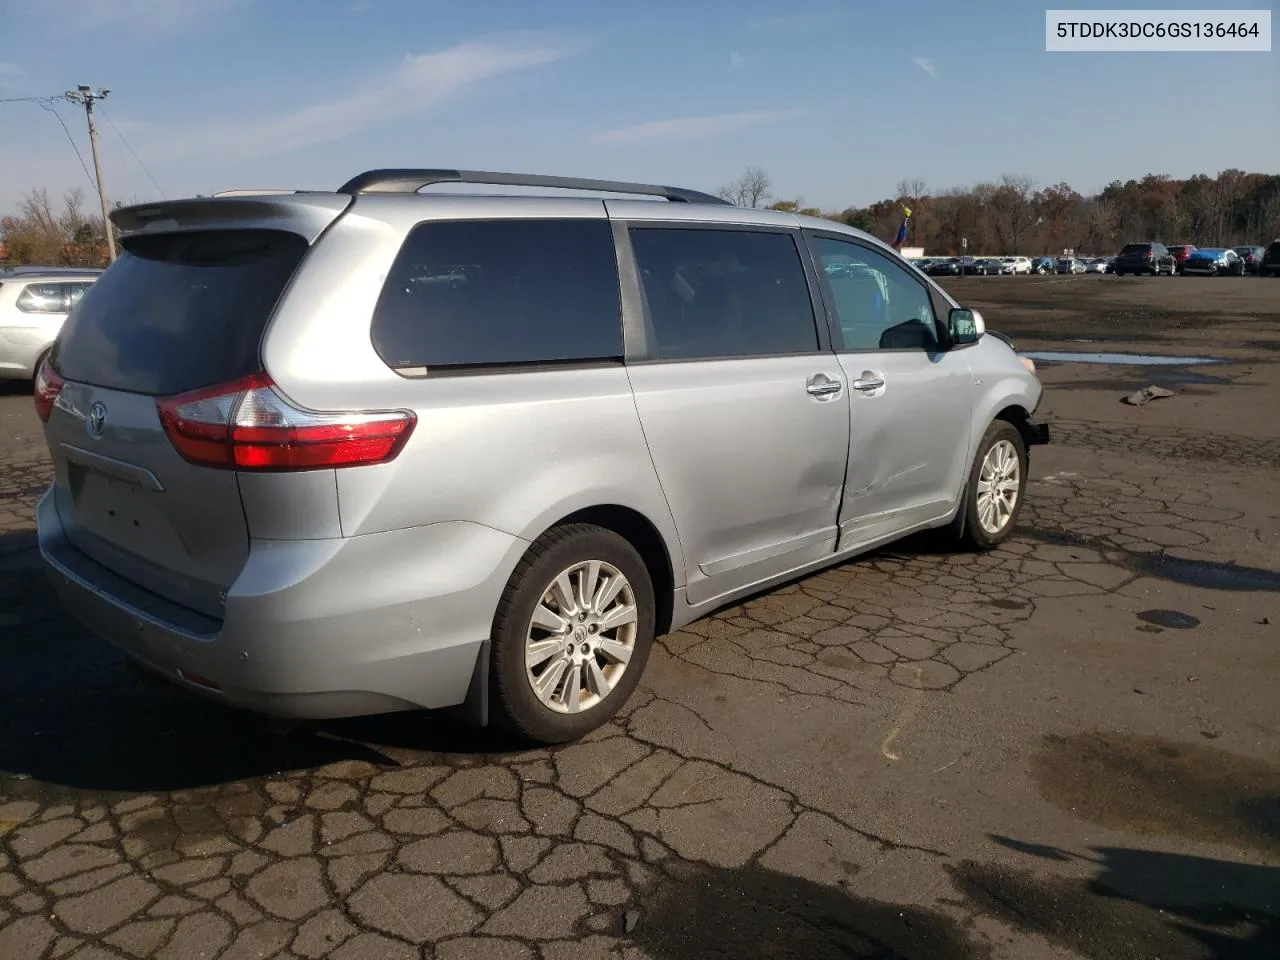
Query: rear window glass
column 496, row 292
column 1135, row 248
column 179, row 311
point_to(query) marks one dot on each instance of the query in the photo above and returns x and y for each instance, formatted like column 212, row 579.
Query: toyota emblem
column 96, row 420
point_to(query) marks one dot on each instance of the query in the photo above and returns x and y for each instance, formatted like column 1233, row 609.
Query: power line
column 70, row 139
column 134, row 152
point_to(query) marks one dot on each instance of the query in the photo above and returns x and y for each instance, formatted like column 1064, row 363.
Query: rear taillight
column 1148, row 255
column 47, row 387
column 247, row 425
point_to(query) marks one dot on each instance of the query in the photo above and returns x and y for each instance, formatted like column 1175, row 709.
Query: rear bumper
column 312, row 628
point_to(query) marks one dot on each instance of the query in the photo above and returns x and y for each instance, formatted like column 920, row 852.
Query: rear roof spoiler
column 302, row 212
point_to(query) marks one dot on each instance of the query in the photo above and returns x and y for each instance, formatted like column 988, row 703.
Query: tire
column 532, row 585
column 973, row 533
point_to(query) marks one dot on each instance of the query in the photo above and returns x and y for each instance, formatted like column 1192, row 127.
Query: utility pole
column 84, row 95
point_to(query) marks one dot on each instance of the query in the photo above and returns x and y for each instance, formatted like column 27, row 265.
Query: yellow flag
column 907, row 211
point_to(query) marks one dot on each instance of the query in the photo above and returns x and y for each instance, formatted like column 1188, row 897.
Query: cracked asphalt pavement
column 1069, row 747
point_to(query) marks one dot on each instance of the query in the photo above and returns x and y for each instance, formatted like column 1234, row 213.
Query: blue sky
column 837, row 101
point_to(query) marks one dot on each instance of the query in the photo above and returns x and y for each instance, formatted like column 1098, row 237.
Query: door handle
column 867, row 384
column 821, row 386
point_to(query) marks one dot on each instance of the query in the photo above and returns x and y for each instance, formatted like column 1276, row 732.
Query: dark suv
column 1270, row 265
column 1152, row 258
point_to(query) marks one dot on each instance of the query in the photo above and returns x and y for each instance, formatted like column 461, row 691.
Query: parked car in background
column 241, row 412
column 1213, row 262
column 1180, row 253
column 1252, row 257
column 1043, row 265
column 33, row 307
column 1270, row 265
column 1151, row 258
column 1017, row 265
column 1069, row 265
column 985, row 267
column 1095, row 265
column 26, row 269
column 945, row 267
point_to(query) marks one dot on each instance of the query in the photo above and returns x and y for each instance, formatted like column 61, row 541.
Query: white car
column 33, row 307
column 1017, row 264
column 1098, row 265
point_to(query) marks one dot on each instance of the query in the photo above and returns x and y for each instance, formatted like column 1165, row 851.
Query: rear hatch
column 181, row 309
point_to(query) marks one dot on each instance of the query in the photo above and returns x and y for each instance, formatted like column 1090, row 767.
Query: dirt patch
column 1159, row 787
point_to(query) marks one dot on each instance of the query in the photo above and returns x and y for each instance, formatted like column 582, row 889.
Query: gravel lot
column 1067, row 748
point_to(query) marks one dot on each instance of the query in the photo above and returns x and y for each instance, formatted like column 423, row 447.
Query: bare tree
column 749, row 190
column 36, row 234
column 1013, row 209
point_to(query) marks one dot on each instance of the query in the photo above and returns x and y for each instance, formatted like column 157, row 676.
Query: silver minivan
column 329, row 454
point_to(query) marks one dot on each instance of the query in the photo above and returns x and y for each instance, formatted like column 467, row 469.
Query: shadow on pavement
column 1140, row 903
column 78, row 714
column 721, row 914
column 1210, row 575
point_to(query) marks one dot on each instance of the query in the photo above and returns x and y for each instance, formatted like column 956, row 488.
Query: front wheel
column 997, row 481
column 572, row 633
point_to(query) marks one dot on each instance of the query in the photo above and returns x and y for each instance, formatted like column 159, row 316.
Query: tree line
column 43, row 233
column 1012, row 215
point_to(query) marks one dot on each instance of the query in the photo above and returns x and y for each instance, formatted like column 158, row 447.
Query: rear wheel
column 994, row 494
column 572, row 633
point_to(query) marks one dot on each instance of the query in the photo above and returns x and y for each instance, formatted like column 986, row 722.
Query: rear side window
column 179, row 311
column 723, row 293
column 43, row 298
column 496, row 292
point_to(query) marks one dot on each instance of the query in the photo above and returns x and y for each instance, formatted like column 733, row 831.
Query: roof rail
column 266, row 192
column 411, row 181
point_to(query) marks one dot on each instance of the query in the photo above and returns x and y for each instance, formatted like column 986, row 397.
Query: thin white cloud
column 419, row 82
column 736, row 60
column 9, row 70
column 694, row 128
column 927, row 65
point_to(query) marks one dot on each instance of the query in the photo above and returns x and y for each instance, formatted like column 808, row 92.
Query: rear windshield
column 1274, row 249
column 1135, row 248
column 179, row 311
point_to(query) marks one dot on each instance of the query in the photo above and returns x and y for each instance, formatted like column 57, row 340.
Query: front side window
column 497, row 292
column 723, row 293
column 878, row 305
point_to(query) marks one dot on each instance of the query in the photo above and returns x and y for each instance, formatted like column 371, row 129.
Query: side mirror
column 965, row 326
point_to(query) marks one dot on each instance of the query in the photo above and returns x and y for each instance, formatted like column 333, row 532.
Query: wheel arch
column 639, row 531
